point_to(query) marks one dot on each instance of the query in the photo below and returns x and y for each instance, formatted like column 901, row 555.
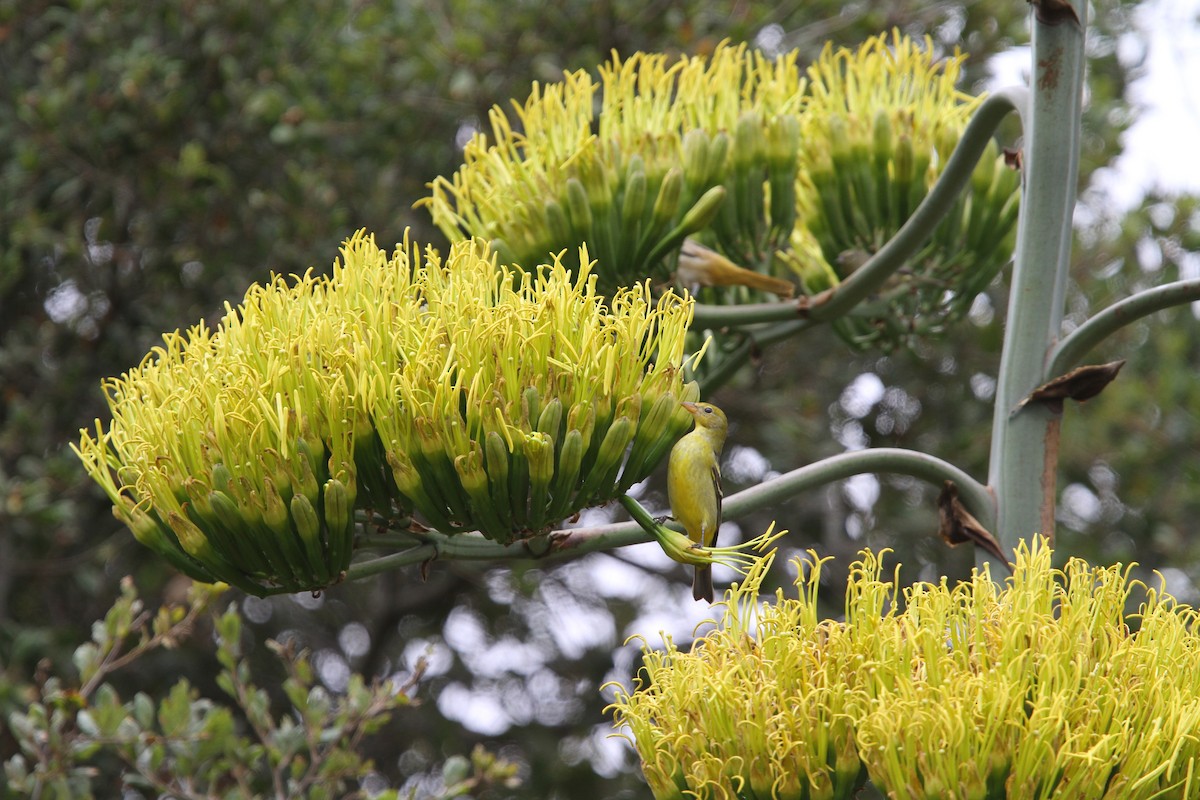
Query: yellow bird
column 700, row 266
column 694, row 485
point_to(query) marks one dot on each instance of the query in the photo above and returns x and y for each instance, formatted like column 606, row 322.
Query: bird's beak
column 692, row 408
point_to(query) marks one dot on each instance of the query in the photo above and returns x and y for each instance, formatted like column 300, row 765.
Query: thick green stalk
column 1024, row 455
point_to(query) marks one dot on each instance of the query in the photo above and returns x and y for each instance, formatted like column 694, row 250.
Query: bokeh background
column 156, row 159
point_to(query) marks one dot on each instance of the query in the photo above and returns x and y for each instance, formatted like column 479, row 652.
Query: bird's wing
column 716, row 479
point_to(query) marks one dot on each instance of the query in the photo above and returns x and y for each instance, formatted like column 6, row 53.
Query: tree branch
column 577, row 541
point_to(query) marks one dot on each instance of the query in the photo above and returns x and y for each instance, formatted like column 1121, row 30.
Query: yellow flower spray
column 477, row 397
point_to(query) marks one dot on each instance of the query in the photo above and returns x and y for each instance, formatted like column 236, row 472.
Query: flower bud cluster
column 1052, row 686
column 473, row 396
column 878, row 126
column 798, row 176
column 674, row 149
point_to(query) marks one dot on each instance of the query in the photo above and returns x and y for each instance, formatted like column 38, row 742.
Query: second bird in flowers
column 694, row 485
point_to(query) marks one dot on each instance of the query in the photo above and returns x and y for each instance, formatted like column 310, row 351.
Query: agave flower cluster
column 470, row 395
column 1049, row 687
column 780, row 173
column 878, row 128
column 675, row 148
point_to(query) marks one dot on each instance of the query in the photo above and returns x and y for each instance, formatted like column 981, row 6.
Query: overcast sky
column 1162, row 147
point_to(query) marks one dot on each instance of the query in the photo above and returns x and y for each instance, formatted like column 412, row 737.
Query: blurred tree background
column 155, row 159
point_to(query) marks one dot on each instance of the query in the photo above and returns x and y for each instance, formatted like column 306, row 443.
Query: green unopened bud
column 783, row 144
column 191, row 538
column 304, row 480
column 653, row 432
column 413, row 486
column 718, row 153
column 594, row 175
column 749, row 140
column 531, row 407
column 145, row 528
column 633, row 204
column 221, row 477
column 666, row 205
column 701, row 214
column 469, row 467
column 696, row 164
column 550, row 420
column 598, row 485
column 227, row 512
column 570, row 459
column 308, row 527
column 556, row 221
column 539, row 451
column 579, row 210
column 582, row 419
column 275, row 511
column 338, row 511
column 697, row 217
column 496, row 462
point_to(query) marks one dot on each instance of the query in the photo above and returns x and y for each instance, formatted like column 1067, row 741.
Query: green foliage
column 189, row 746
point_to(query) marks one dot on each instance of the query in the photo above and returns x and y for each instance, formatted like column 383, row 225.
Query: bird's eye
column 708, row 409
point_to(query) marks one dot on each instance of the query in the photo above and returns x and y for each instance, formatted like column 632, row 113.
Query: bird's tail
column 702, row 585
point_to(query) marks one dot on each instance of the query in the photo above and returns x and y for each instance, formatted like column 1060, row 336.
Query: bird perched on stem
column 694, row 485
column 700, row 266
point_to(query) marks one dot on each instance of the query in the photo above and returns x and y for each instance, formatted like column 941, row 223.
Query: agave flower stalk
column 1047, row 687
column 675, row 147
column 475, row 397
column 878, row 126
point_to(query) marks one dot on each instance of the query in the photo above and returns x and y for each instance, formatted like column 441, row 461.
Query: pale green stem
column 374, row 566
column 573, row 542
column 892, row 460
column 1071, row 350
column 839, row 300
column 1023, row 463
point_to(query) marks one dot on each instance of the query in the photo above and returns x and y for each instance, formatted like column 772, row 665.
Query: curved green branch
column 1071, row 350
column 474, row 547
column 894, row 460
column 837, row 301
column 374, row 566
column 577, row 541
